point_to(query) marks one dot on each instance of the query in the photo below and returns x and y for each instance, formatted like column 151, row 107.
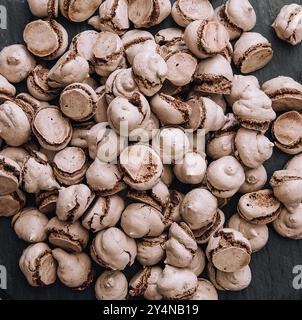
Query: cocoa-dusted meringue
column 252, row 148
column 225, row 176
column 73, row 202
column 205, row 291
column 12, row 203
column 199, row 209
column 101, row 107
column 214, row 75
column 287, row 132
column 10, row 177
column 15, row 127
column 78, row 101
column 255, row 179
column 191, row 169
column 71, row 237
column 104, row 213
column 230, row 281
column 145, row 282
column 128, row 114
column 139, row 220
column 151, row 250
column 74, row 269
column 108, row 53
column 78, row 10
column 184, row 12
column 203, row 234
column 260, row 207
column 198, row 262
column 113, row 249
column 171, row 212
column 180, row 246
column 52, row 130
column 16, row 63
column 18, row 154
column 37, row 84
column 252, row 52
column 170, row 110
column 70, row 68
column 38, row 265
column 157, row 197
column 142, row 167
column 254, row 110
column 30, row 225
column 256, row 234
column 237, row 16
column 206, row 38
column 136, row 41
column 177, row 284
column 286, row 185
column 104, row 178
column 285, row 93
column 228, row 250
column 148, row 13
column 111, row 285
column 44, row 8
column 37, row 174
column 37, row 31
column 120, row 84
column 150, row 71
column 288, row 24
column 289, row 223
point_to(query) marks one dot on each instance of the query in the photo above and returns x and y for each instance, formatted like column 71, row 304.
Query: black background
column 271, row 268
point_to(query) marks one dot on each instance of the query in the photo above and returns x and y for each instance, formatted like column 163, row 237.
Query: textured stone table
column 271, row 268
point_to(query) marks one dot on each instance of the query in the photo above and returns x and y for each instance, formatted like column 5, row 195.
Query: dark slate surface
column 271, row 268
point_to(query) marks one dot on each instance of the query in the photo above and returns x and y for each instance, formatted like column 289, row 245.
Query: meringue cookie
column 285, row 93
column 6, row 88
column 288, row 24
column 16, row 63
column 177, row 284
column 225, row 176
column 180, row 246
column 254, row 110
column 148, row 13
column 184, row 12
column 237, row 16
column 287, row 132
column 295, row 164
column 228, row 250
column 214, row 75
column 230, row 281
column 256, row 234
column 289, row 223
column 12, row 203
column 205, row 291
column 38, row 265
column 139, row 220
column 286, row 185
column 252, row 148
column 150, row 72
column 206, row 38
column 252, row 52
column 171, row 212
column 111, row 285
column 44, row 8
column 199, row 208
column 255, row 179
column 104, row 213
column 113, row 249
